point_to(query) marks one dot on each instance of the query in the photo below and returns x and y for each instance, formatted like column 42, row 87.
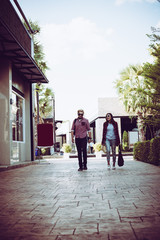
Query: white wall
column 64, row 129
column 111, row 105
column 99, row 129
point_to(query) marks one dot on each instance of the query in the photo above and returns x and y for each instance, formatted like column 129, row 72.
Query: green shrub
column 43, row 151
column 141, row 151
column 125, row 142
column 97, row 147
column 137, row 151
column 148, row 151
column 66, row 148
column 154, row 155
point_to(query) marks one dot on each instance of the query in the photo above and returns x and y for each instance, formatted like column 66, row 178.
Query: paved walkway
column 52, row 200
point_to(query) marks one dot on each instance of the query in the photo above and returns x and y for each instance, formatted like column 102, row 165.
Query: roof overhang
column 11, row 48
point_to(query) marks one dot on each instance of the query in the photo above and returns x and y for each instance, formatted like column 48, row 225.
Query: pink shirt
column 81, row 127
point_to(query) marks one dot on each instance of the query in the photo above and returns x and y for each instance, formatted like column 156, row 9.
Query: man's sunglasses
column 80, row 114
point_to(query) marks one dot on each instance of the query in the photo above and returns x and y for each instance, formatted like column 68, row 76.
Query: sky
column 87, row 43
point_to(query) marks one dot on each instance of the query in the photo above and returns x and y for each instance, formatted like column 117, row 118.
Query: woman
column 110, row 138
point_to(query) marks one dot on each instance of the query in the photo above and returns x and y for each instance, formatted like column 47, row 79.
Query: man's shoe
column 85, row 168
column 80, row 169
column 113, row 168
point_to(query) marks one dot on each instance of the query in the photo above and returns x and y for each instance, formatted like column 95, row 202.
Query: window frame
column 21, row 96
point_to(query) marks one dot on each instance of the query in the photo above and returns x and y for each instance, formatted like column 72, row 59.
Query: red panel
column 45, row 134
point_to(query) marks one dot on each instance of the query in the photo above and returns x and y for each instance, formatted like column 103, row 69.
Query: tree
column 43, row 94
column 129, row 87
column 38, row 48
column 46, row 96
column 43, row 98
column 152, row 80
column 152, row 77
column 139, row 89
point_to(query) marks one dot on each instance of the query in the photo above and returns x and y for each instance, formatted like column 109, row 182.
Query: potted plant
column 98, row 149
column 66, row 149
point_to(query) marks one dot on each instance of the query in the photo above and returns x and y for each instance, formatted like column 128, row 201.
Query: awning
column 21, row 60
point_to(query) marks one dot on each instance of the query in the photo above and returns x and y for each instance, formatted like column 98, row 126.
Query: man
column 81, row 129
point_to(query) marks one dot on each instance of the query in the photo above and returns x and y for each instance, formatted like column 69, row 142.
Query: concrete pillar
column 5, row 129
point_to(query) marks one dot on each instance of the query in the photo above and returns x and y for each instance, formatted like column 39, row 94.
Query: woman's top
column 110, row 135
column 105, row 132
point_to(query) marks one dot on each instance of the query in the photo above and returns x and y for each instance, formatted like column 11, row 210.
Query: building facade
column 18, row 73
column 125, row 122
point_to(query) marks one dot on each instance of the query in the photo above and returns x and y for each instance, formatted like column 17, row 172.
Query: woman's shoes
column 109, row 167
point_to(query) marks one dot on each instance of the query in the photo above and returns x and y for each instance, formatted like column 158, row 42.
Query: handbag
column 120, row 158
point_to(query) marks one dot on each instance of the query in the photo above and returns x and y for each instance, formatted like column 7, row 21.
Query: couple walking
column 80, row 132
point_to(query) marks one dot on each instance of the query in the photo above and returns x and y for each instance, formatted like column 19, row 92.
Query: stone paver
column 52, row 200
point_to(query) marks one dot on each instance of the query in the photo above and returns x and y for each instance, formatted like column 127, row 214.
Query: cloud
column 76, row 50
column 120, row 2
column 158, row 25
column 79, row 39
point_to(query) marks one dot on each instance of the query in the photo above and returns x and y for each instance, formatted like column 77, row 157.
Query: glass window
column 17, row 117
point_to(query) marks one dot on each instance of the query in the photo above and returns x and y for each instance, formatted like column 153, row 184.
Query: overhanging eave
column 21, row 60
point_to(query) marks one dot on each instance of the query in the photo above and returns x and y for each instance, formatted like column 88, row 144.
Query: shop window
column 17, row 117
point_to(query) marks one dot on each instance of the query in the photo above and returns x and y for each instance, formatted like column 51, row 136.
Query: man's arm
column 72, row 136
column 73, row 130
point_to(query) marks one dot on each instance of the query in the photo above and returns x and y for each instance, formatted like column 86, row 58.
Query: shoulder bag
column 120, row 158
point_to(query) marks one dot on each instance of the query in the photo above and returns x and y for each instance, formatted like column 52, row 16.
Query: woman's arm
column 104, row 134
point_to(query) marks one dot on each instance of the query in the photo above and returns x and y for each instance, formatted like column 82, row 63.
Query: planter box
column 66, row 155
column 98, row 154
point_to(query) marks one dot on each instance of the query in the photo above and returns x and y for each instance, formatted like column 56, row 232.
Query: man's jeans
column 111, row 144
column 81, row 144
